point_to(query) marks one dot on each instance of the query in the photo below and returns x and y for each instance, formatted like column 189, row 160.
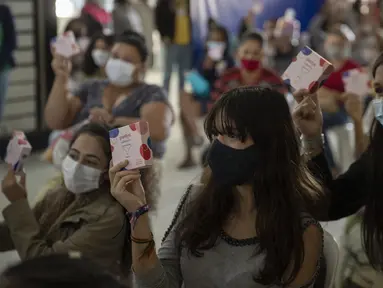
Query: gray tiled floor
column 174, row 182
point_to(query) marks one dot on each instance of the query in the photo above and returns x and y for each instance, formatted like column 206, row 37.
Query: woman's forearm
column 143, row 262
column 57, row 107
column 149, row 271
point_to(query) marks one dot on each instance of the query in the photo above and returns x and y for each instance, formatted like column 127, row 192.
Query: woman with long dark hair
column 247, row 226
column 78, row 214
column 361, row 184
column 214, row 61
column 80, row 31
column 97, row 55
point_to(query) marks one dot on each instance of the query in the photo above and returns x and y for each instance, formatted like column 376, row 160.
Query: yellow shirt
column 182, row 23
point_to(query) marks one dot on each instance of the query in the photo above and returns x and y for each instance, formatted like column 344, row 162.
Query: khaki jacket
column 97, row 230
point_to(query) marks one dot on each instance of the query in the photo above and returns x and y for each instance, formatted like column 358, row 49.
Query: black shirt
column 347, row 193
column 8, row 42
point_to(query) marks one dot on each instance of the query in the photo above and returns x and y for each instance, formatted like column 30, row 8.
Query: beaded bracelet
column 133, row 217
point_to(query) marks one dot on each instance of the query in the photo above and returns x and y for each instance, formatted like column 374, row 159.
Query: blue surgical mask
column 378, row 109
column 214, row 44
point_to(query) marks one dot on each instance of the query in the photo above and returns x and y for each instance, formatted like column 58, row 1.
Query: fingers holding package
column 302, row 94
column 307, row 114
column 14, row 186
column 126, row 186
column 306, row 108
column 61, row 65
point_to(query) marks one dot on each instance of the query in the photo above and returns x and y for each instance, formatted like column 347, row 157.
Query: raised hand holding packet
column 17, row 151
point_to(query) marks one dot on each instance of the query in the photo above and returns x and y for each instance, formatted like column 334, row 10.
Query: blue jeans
column 331, row 120
column 180, row 55
column 4, row 77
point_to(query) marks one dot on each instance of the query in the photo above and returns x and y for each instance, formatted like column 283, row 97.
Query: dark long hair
column 72, row 23
column 136, row 40
column 282, row 185
column 89, row 67
column 372, row 225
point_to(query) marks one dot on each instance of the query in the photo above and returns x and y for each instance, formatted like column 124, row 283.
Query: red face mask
column 250, row 64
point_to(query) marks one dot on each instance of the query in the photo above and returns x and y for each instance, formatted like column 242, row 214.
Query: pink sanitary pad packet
column 357, row 81
column 65, row 45
column 17, row 151
column 132, row 143
column 308, row 70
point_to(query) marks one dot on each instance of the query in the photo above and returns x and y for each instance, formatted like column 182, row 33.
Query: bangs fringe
column 220, row 120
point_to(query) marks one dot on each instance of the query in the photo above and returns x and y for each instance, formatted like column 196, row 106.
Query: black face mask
column 231, row 166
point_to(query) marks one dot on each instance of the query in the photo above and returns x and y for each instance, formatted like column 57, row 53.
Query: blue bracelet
column 133, row 216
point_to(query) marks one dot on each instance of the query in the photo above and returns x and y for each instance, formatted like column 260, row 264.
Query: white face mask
column 119, row 72
column 79, row 178
column 100, row 57
column 215, row 50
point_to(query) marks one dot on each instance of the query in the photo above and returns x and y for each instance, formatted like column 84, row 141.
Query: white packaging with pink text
column 17, row 151
column 132, row 143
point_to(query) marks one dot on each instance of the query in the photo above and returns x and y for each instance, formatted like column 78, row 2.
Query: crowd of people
column 269, row 174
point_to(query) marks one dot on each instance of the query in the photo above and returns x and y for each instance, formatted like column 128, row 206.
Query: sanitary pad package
column 308, row 70
column 65, row 45
column 132, row 143
column 17, row 151
column 357, row 81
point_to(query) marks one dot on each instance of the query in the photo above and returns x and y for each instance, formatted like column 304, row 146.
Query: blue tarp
column 230, row 12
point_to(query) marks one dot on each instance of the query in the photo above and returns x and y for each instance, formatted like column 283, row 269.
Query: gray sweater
column 230, row 264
